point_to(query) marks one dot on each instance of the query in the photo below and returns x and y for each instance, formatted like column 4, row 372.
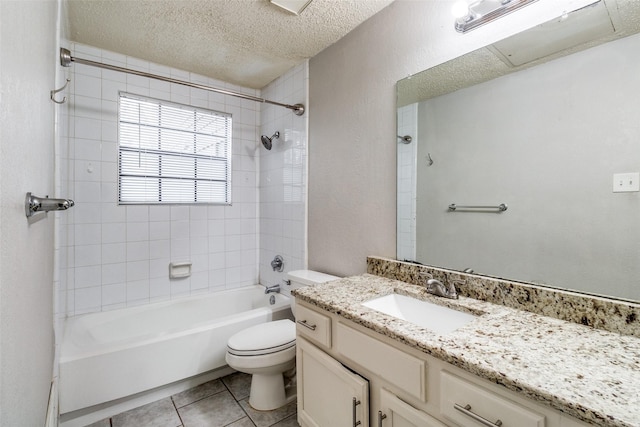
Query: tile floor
column 219, row 403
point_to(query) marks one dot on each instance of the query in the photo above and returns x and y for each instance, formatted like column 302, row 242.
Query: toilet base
column 268, row 392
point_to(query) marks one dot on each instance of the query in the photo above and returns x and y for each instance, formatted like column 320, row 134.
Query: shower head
column 266, row 141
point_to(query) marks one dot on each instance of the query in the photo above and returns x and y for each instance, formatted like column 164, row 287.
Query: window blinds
column 172, row 153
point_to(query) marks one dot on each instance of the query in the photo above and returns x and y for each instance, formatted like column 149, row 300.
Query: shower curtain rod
column 66, row 59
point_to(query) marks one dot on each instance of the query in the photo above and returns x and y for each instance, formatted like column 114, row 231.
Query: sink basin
column 436, row 318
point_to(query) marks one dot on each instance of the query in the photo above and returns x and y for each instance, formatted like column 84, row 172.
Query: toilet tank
column 299, row 278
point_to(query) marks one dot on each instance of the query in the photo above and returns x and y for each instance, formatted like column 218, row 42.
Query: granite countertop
column 590, row 374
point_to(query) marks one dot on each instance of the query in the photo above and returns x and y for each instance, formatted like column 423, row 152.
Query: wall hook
column 53, row 92
column 429, row 159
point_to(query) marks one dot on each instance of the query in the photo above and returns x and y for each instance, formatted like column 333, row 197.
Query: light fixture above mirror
column 294, row 6
column 480, row 12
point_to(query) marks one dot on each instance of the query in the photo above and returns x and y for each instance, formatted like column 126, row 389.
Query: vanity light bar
column 484, row 11
column 294, row 6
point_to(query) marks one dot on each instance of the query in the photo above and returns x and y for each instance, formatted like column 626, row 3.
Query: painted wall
column 352, row 125
column 28, row 48
column 551, row 159
column 116, row 256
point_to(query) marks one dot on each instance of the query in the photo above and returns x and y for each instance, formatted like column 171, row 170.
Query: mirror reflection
column 558, row 143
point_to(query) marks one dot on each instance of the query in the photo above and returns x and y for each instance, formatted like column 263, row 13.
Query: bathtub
column 110, row 355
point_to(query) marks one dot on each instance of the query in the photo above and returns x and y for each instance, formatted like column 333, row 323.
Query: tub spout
column 270, row 289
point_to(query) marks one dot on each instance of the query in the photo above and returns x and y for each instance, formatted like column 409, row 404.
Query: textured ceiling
column 245, row 42
column 483, row 64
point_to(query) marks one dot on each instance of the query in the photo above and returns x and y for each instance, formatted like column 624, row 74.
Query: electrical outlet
column 626, row 182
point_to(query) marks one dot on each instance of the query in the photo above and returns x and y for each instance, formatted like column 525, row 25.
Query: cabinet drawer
column 404, row 371
column 313, row 325
column 468, row 404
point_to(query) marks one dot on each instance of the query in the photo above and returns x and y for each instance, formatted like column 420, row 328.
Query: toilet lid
column 264, row 338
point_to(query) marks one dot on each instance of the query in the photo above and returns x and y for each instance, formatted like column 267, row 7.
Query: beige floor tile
column 218, row 410
column 200, row 392
column 292, row 421
column 102, row 423
column 161, row 413
column 268, row 418
column 239, row 384
column 244, row 422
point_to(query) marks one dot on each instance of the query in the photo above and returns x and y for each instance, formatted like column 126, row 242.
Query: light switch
column 626, row 182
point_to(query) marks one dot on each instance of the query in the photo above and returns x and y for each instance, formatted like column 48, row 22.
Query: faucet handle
column 425, row 275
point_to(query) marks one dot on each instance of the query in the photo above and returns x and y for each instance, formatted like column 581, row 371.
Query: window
column 172, row 153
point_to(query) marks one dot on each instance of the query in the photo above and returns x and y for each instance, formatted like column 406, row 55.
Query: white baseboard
column 83, row 417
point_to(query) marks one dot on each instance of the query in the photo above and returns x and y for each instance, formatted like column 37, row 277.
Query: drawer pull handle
column 381, row 417
column 356, row 402
column 467, row 411
column 306, row 325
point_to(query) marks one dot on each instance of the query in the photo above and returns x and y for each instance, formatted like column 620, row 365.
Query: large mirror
column 555, row 138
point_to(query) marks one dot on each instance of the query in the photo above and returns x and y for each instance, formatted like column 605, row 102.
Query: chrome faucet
column 438, row 288
column 270, row 289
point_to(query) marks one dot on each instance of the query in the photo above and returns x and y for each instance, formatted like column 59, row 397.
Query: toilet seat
column 263, row 339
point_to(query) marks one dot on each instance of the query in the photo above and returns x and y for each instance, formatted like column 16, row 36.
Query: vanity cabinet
column 406, row 387
column 328, row 393
column 394, row 412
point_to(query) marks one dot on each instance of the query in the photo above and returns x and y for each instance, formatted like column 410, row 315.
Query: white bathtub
column 114, row 354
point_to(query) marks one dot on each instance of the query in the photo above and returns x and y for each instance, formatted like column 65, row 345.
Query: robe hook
column 53, row 92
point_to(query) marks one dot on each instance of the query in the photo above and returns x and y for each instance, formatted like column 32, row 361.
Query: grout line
column 177, row 412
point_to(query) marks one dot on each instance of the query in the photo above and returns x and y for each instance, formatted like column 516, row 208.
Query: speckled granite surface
column 591, row 374
column 601, row 313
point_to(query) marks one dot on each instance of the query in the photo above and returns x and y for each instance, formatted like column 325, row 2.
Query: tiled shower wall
column 407, row 158
column 283, row 175
column 114, row 256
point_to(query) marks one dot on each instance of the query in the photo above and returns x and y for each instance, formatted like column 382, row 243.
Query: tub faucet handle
column 278, row 263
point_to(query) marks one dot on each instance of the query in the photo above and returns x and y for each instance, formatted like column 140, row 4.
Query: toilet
column 268, row 351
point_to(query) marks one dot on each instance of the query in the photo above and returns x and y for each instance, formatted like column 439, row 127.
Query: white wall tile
column 159, row 230
column 114, row 253
column 137, row 292
column 137, row 251
column 117, row 255
column 115, row 232
column 160, row 249
column 137, row 231
column 137, row 270
column 87, row 276
column 114, row 294
column 159, row 288
column 114, row 273
column 87, row 234
column 86, row 255
column 159, row 267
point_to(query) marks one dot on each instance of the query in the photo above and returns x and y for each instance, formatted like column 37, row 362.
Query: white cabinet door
column 329, row 395
column 396, row 413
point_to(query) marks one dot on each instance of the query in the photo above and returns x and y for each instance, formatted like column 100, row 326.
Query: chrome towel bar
column 501, row 207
